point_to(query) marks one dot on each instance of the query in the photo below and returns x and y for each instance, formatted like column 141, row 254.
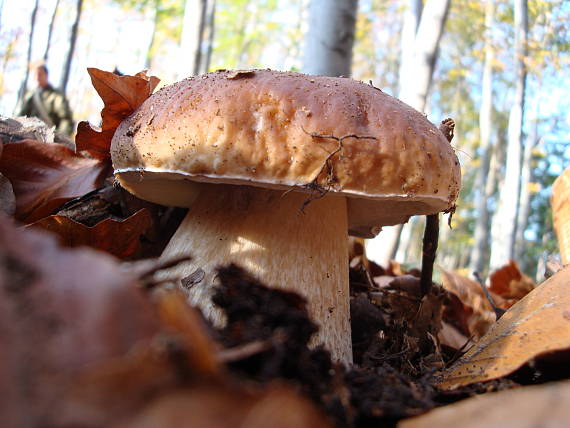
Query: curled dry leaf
column 119, row 238
column 474, row 315
column 121, row 96
column 45, row 176
column 217, row 406
column 510, row 283
column 7, row 197
column 533, row 406
column 536, row 325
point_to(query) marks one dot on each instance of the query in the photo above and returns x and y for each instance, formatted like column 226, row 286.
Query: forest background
column 479, row 60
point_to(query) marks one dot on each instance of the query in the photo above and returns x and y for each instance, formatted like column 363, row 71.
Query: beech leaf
column 119, row 238
column 528, row 407
column 121, row 96
column 45, row 176
column 538, row 324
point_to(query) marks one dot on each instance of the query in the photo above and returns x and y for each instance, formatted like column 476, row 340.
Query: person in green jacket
column 48, row 104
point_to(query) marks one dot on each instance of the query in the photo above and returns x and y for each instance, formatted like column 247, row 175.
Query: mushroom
column 276, row 168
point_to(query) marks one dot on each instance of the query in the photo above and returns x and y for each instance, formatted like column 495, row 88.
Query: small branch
column 498, row 311
column 429, row 250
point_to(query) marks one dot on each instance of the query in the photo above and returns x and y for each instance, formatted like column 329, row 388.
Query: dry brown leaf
column 561, row 213
column 119, row 238
column 121, row 96
column 477, row 315
column 538, row 324
column 510, row 283
column 542, row 406
column 45, row 176
column 216, row 406
column 61, row 311
column 7, row 197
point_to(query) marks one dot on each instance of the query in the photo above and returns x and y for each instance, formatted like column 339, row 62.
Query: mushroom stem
column 266, row 232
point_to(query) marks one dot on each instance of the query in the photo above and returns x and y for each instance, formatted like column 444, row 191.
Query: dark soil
column 395, row 360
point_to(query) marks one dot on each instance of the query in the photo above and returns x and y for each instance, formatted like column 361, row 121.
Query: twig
column 431, row 236
column 498, row 311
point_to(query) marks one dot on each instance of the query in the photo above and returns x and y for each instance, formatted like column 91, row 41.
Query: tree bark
column 24, row 86
column 478, row 259
column 50, row 30
column 70, row 52
column 193, row 36
column 502, row 248
column 210, row 30
column 525, row 196
column 329, row 42
column 150, row 50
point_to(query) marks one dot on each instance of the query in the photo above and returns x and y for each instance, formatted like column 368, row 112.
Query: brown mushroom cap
column 285, row 130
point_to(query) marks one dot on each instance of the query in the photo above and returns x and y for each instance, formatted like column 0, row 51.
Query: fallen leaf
column 528, row 407
column 45, row 176
column 510, row 283
column 561, row 213
column 119, row 238
column 216, row 406
column 7, row 197
column 477, row 315
column 61, row 311
column 121, row 96
column 536, row 325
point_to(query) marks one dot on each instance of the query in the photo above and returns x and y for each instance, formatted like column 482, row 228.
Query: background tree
column 71, row 51
column 197, row 36
column 50, row 30
column 24, row 85
column 481, row 191
column 505, row 219
column 329, row 41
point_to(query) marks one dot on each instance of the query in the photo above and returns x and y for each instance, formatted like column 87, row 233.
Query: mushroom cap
column 286, row 130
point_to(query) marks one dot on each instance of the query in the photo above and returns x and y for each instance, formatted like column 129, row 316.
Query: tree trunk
column 415, row 81
column 50, row 30
column 24, row 86
column 150, row 50
column 480, row 248
column 525, row 196
column 502, row 248
column 210, row 30
column 70, row 52
column 329, row 42
column 193, row 36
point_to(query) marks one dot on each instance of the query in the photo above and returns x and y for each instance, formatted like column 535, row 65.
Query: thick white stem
column 266, row 232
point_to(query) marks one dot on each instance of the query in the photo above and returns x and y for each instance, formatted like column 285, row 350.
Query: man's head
column 42, row 76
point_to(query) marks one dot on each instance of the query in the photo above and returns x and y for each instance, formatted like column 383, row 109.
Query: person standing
column 48, row 104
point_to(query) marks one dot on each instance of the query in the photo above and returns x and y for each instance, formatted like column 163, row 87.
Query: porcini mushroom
column 276, row 168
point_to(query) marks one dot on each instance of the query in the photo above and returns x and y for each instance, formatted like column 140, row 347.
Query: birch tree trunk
column 50, row 30
column 328, row 45
column 415, row 81
column 150, row 50
column 210, row 30
column 478, row 259
column 24, row 85
column 505, row 219
column 192, row 37
column 525, row 196
column 70, row 52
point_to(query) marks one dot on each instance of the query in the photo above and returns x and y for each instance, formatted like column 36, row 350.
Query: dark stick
column 498, row 311
column 429, row 250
